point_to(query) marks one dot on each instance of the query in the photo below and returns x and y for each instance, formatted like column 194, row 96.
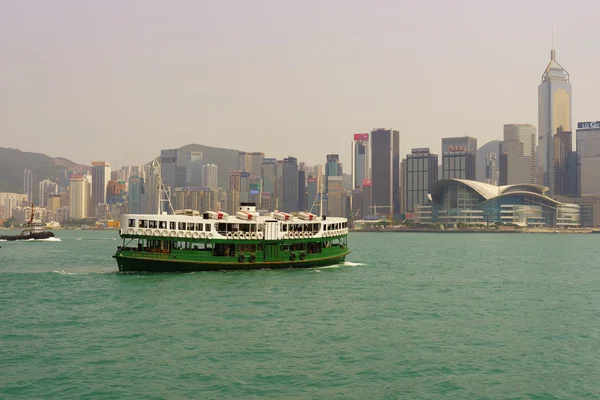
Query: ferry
column 214, row 240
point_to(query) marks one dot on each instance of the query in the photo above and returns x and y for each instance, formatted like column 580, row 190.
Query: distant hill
column 13, row 162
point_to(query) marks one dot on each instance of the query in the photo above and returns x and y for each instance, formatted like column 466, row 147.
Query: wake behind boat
column 32, row 231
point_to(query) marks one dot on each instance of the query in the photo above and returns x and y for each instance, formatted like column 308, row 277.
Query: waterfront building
column 456, row 201
column 554, row 110
column 588, row 158
column 385, row 171
column 519, row 146
column 360, row 163
column 565, row 164
column 100, row 178
column 210, row 176
column 420, row 174
column 79, row 197
column 28, row 184
column 47, row 188
column 290, row 185
column 459, row 156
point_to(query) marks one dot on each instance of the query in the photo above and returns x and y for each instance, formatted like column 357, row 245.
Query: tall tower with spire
column 554, row 111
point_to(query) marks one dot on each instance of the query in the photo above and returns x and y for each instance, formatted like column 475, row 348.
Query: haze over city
column 92, row 81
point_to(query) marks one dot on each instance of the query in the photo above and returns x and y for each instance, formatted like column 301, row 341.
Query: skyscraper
column 79, row 197
column 332, row 168
column 421, row 173
column 313, row 203
column 565, row 178
column 269, row 175
column 488, row 162
column 28, row 184
column 255, row 163
column 385, row 171
column 302, row 190
column 100, row 178
column 458, row 158
column 193, row 169
column 135, row 195
column 210, row 176
column 554, row 110
column 290, row 185
column 519, row 146
column 168, row 167
column 588, row 157
column 360, row 159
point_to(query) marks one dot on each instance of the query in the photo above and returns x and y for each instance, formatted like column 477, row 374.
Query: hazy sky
column 97, row 80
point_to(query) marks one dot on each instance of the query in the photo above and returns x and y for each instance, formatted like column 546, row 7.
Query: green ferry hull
column 135, row 263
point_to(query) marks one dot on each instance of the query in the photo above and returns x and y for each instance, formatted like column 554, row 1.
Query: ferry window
column 207, row 227
column 171, row 225
column 143, row 223
column 190, row 226
column 198, row 227
column 181, row 226
column 162, row 224
column 131, row 223
column 260, row 227
column 152, row 224
column 285, row 227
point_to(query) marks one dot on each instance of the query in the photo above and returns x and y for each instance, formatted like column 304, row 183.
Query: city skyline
column 121, row 102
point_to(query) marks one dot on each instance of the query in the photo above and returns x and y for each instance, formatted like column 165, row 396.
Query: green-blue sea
column 408, row 316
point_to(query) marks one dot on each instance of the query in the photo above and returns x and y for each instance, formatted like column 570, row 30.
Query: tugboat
column 32, row 230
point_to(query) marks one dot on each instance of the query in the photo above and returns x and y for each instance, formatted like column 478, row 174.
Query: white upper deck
column 246, row 224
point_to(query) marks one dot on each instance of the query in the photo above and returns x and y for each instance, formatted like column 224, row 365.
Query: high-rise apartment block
column 519, row 146
column 421, row 173
column 47, row 188
column 554, row 111
column 360, row 166
column 385, row 171
column 28, row 184
column 459, row 155
column 588, row 157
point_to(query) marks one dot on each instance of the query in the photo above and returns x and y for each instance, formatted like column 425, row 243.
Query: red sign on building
column 366, row 182
column 361, row 136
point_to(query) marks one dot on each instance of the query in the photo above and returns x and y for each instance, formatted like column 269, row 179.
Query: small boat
column 33, row 230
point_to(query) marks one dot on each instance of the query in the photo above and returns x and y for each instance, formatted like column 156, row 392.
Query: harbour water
column 415, row 316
